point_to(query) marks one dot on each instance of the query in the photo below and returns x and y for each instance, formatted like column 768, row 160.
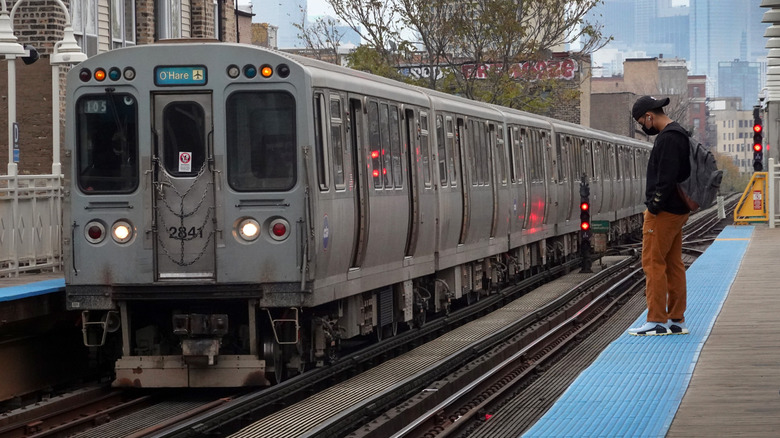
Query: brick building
column 99, row 26
column 614, row 96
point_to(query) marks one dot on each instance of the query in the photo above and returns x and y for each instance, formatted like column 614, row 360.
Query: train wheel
column 274, row 360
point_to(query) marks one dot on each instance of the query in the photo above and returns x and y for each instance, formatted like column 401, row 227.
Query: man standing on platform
column 663, row 220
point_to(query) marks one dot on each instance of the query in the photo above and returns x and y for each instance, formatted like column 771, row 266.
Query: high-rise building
column 724, row 30
column 283, row 14
column 740, row 79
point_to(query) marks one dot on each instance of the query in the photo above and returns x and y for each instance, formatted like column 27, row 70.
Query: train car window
column 453, row 154
column 440, row 144
column 510, row 138
column 519, row 146
column 323, row 173
column 183, row 131
column 559, row 158
column 425, row 149
column 261, row 153
column 484, row 150
column 395, row 146
column 529, row 137
column 337, row 142
column 374, row 143
column 386, row 154
column 501, row 151
column 619, row 162
column 588, row 163
column 576, row 157
column 471, row 157
column 107, row 145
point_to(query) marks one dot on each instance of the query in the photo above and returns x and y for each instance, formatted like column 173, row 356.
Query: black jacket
column 668, row 165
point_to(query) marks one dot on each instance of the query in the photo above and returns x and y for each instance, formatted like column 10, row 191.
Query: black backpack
column 701, row 187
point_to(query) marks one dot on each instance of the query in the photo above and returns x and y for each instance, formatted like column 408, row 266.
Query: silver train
column 234, row 214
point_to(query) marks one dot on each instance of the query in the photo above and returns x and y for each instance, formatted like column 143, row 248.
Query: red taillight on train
column 95, row 232
column 280, row 229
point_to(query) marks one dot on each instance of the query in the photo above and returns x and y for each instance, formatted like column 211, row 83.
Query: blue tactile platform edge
column 635, row 386
column 31, row 289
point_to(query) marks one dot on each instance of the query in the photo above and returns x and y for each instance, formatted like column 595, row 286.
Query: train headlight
column 95, row 232
column 122, row 232
column 233, row 71
column 279, row 229
column 248, row 229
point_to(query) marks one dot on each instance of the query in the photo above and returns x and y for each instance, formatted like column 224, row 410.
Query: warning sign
column 751, row 207
column 185, row 161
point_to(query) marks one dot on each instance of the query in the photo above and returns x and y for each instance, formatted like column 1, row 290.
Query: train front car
column 186, row 210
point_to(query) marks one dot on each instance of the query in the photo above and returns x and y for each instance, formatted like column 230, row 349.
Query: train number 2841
column 182, row 233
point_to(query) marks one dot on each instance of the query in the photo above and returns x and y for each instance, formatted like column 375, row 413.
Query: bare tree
column 322, row 37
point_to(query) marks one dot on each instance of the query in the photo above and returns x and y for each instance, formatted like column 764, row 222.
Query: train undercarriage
column 212, row 342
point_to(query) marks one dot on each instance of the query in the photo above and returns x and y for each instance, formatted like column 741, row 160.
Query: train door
column 460, row 136
column 413, row 157
column 357, row 133
column 184, row 218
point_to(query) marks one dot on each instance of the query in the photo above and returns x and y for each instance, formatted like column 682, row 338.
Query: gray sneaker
column 650, row 329
column 677, row 328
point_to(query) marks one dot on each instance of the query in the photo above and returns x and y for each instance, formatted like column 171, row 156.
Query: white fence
column 30, row 224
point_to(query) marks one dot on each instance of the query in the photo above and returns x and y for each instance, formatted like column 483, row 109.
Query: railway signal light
column 585, row 233
column 758, row 141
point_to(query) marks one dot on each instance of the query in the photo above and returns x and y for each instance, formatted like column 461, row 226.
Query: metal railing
column 30, row 224
column 772, row 202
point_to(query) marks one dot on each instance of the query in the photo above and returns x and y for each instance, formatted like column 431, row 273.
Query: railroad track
column 521, row 349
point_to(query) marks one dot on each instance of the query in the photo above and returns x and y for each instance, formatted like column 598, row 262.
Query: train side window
column 395, row 147
column 320, row 133
column 501, row 151
column 486, row 148
column 440, row 144
column 425, row 149
column 261, row 142
column 337, row 141
column 374, row 144
column 510, row 138
column 106, row 143
column 529, row 138
column 385, row 152
column 559, row 159
column 453, row 154
column 518, row 145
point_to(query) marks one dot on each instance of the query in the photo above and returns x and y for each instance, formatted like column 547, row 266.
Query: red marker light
column 375, row 173
column 584, row 206
column 95, row 232
column 374, row 154
column 585, row 226
column 757, row 147
column 757, row 128
column 279, row 230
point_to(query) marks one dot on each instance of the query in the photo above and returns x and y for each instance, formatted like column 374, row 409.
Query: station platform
column 722, row 379
column 31, row 295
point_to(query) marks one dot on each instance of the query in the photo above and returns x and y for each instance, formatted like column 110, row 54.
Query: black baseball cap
column 645, row 104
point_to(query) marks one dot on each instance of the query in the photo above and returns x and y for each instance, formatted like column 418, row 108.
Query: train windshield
column 106, row 143
column 261, row 141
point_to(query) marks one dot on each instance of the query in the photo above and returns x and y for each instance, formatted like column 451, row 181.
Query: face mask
column 650, row 131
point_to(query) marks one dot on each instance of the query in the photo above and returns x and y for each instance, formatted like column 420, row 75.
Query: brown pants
column 663, row 266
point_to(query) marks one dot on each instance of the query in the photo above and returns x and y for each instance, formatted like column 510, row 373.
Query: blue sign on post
column 180, row 75
column 16, row 142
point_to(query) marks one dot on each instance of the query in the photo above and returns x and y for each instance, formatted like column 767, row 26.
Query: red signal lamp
column 585, row 226
column 584, row 206
column 757, row 147
column 757, row 128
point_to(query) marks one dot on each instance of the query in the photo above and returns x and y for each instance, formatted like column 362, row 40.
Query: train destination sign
column 180, row 75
